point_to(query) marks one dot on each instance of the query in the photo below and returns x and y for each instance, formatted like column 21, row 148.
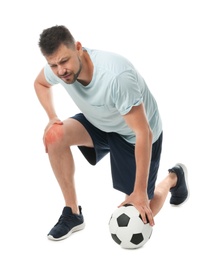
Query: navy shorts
column 122, row 157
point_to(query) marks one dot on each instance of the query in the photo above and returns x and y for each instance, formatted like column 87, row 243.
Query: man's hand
column 141, row 203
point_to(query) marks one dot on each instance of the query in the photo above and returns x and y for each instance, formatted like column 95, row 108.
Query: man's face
column 65, row 63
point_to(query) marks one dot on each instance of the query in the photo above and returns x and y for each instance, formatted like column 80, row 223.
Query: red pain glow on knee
column 54, row 134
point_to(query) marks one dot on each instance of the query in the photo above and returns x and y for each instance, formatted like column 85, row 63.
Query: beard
column 70, row 77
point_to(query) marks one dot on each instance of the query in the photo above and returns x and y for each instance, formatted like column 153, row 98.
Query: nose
column 61, row 70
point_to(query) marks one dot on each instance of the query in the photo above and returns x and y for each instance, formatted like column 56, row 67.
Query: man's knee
column 54, row 134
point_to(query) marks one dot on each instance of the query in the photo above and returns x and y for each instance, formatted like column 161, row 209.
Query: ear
column 78, row 47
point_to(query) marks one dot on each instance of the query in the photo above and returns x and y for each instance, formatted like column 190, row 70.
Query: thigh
column 123, row 165
column 76, row 134
column 99, row 138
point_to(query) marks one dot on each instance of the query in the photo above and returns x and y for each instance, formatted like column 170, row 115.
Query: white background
column 170, row 43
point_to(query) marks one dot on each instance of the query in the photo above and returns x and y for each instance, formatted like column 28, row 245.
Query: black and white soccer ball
column 127, row 228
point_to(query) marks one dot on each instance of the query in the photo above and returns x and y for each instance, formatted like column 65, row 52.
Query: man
column 119, row 116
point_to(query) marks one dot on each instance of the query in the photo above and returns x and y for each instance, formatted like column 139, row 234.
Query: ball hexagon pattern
column 127, row 228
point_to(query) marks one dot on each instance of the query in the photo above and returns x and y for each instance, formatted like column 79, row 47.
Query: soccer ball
column 127, row 228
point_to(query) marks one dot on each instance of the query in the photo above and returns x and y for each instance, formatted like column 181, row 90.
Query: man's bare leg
column 161, row 192
column 176, row 183
column 60, row 138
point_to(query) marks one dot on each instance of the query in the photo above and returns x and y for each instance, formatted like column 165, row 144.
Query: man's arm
column 137, row 121
column 44, row 94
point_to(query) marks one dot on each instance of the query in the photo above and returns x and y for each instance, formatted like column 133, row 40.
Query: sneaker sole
column 75, row 229
column 186, row 180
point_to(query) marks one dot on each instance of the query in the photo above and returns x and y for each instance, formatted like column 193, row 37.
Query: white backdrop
column 170, row 42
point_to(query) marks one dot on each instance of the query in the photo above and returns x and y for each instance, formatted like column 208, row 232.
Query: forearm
column 44, row 95
column 137, row 121
column 143, row 149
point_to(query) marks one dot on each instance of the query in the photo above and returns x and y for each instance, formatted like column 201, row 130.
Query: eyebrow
column 60, row 61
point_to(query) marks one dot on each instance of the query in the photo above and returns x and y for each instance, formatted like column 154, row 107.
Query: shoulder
column 110, row 61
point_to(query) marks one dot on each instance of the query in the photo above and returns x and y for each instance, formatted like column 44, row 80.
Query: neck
column 86, row 74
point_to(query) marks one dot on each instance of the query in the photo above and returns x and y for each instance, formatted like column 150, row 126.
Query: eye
column 64, row 61
column 53, row 66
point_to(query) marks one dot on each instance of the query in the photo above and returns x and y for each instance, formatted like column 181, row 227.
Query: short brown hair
column 51, row 38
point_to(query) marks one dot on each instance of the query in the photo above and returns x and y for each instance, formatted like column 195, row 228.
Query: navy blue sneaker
column 67, row 224
column 180, row 191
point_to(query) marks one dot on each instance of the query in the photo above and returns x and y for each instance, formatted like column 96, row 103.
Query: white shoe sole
column 75, row 229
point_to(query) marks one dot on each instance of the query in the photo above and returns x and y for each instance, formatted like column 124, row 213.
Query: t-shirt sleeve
column 50, row 76
column 126, row 92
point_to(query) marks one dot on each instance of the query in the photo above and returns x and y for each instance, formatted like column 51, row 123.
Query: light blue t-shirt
column 115, row 88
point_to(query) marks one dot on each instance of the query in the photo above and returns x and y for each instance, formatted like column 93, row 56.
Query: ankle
column 75, row 209
column 173, row 179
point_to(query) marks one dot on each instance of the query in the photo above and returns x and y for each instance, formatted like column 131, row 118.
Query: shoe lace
column 64, row 220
